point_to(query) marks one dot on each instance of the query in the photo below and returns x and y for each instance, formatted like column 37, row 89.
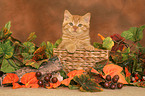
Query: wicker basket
column 81, row 59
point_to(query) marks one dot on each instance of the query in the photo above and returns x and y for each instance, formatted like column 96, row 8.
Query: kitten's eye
column 80, row 25
column 71, row 24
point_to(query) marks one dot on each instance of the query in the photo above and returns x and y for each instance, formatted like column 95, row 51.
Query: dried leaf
column 66, row 82
column 127, row 72
column 55, row 85
column 94, row 71
column 31, row 37
column 16, row 85
column 10, row 78
column 87, row 84
column 71, row 75
column 140, row 84
column 39, row 53
column 112, row 70
column 30, row 80
column 35, row 64
column 75, row 72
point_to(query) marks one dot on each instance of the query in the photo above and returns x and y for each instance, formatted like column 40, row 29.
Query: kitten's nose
column 75, row 28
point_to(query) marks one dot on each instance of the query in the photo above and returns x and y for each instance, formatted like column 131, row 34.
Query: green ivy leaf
column 29, row 47
column 134, row 34
column 127, row 35
column 108, row 43
column 87, row 84
column 6, row 50
column 8, row 65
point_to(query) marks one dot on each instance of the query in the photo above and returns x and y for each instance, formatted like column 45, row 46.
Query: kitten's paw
column 90, row 48
column 71, row 48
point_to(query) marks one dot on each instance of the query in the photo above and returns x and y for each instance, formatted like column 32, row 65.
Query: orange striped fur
column 75, row 30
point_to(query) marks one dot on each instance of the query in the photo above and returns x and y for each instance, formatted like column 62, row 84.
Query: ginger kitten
column 75, row 30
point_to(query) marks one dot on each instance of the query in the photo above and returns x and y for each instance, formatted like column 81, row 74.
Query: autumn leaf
column 35, row 64
column 75, row 72
column 112, row 70
column 94, row 71
column 127, row 72
column 30, row 80
column 118, row 42
column 140, row 84
column 71, row 75
column 39, row 53
column 67, row 81
column 10, row 78
column 87, row 84
column 122, row 79
column 31, row 37
column 55, row 85
column 16, row 85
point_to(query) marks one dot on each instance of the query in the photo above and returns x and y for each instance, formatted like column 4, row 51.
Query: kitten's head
column 75, row 24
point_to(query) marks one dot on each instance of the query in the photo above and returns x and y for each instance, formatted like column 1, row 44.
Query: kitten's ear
column 87, row 17
column 67, row 15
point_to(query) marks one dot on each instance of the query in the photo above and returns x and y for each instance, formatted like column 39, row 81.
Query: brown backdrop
column 45, row 17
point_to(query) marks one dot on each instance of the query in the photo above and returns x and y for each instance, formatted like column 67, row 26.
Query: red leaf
column 16, row 85
column 30, row 80
column 119, row 42
column 127, row 72
column 117, row 38
column 10, row 78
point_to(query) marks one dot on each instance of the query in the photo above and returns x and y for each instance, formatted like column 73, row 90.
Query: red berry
column 119, row 85
column 108, row 77
column 106, row 85
column 113, row 86
column 40, row 82
column 49, row 74
column 143, row 78
column 46, row 85
column 47, row 78
column 115, row 80
column 116, row 76
column 139, row 80
column 54, row 79
column 38, row 74
column 136, row 78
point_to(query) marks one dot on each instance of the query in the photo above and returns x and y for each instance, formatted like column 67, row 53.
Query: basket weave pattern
column 81, row 59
